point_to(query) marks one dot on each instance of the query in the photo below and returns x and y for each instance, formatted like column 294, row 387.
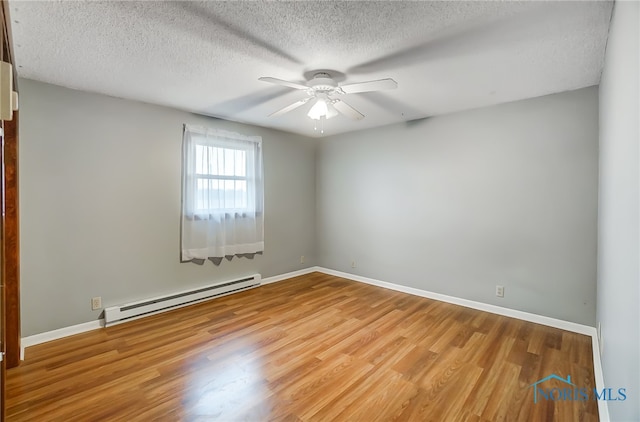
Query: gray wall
column 460, row 203
column 453, row 204
column 619, row 213
column 100, row 204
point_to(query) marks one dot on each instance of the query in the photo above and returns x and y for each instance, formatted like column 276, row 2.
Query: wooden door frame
column 3, row 364
column 10, row 265
column 11, row 244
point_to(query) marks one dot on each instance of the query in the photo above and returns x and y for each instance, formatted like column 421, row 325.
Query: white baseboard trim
column 603, row 409
column 58, row 334
column 291, row 274
column 94, row 325
column 603, row 406
column 513, row 313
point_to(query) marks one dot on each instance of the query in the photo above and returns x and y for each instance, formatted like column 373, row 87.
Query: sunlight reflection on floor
column 226, row 392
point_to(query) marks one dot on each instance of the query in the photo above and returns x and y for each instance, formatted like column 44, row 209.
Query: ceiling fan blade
column 347, row 110
column 369, row 86
column 290, row 107
column 276, row 81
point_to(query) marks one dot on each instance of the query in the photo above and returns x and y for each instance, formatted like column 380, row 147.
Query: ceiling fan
column 324, row 90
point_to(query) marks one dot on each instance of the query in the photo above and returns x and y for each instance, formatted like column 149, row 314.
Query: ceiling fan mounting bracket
column 321, row 75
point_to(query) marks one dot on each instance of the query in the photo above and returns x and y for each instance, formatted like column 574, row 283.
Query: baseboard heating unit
column 130, row 311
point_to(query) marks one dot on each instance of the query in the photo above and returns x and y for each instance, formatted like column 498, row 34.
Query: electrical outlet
column 353, row 263
column 500, row 291
column 96, row 303
column 302, row 259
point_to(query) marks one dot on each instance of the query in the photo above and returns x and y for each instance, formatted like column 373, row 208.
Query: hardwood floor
column 315, row 347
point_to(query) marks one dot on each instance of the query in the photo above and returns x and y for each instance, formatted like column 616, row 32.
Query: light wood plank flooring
column 315, row 347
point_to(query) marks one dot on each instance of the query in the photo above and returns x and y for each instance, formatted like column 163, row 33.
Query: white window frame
column 225, row 231
column 217, row 138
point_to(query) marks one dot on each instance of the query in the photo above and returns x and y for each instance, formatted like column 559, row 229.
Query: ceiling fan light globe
column 331, row 112
column 318, row 110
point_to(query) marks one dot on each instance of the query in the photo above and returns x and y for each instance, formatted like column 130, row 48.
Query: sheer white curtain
column 222, row 194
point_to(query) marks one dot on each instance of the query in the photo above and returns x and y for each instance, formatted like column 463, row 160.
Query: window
column 222, row 211
column 221, row 179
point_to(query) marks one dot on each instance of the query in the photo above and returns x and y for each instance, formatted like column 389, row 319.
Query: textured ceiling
column 206, row 57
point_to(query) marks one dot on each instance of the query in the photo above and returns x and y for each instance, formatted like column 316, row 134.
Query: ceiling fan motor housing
column 322, row 82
